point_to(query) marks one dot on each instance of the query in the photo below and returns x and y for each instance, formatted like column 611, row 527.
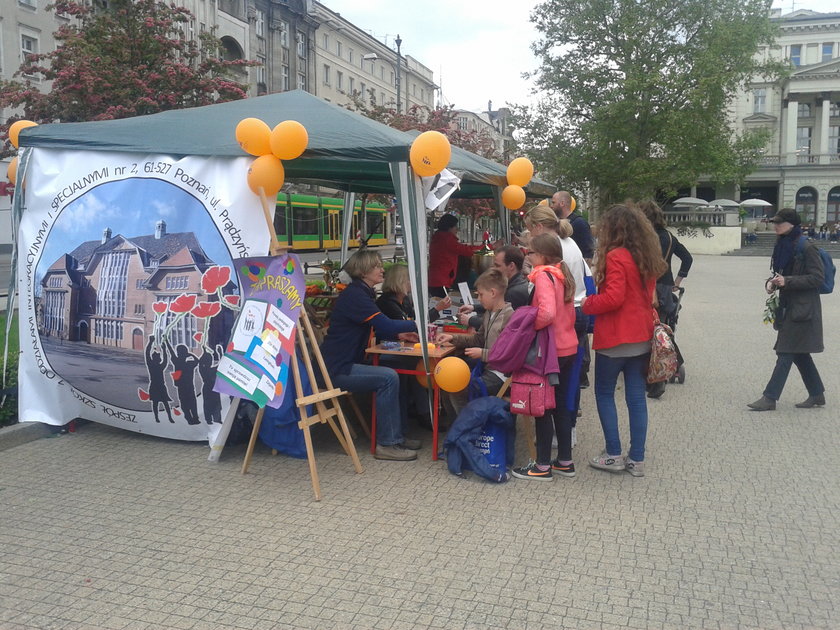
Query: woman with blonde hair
column 396, row 288
column 628, row 262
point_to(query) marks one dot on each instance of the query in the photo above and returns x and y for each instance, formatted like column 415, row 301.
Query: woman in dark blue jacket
column 354, row 315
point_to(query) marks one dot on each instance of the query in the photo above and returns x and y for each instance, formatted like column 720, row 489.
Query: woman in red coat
column 628, row 262
column 444, row 250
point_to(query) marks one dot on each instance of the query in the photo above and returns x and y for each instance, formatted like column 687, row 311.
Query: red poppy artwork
column 206, row 309
column 198, row 337
column 183, row 303
column 159, row 307
column 216, row 277
column 142, row 394
column 233, row 300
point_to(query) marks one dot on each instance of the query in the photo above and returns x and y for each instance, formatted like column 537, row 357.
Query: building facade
column 800, row 166
column 493, row 124
column 105, row 292
column 349, row 59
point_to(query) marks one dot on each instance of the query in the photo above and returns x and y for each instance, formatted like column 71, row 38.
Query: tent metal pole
column 349, row 205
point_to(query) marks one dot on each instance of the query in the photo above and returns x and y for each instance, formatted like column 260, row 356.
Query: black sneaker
column 532, row 472
column 564, row 470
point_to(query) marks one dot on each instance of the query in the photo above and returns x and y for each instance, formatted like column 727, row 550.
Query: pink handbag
column 530, row 394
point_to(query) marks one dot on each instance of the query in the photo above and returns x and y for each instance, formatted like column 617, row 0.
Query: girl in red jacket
column 554, row 294
column 628, row 262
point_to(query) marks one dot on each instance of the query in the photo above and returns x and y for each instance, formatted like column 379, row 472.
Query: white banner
column 127, row 290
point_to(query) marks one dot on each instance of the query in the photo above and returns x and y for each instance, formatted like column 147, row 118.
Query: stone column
column 791, row 114
column 825, row 109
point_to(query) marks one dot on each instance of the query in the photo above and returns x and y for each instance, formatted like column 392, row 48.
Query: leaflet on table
column 256, row 363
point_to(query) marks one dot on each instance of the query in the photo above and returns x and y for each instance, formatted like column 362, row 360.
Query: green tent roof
column 346, row 150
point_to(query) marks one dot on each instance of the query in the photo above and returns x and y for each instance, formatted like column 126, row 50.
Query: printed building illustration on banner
column 105, row 292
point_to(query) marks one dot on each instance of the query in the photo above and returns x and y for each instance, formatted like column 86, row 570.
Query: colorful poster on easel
column 256, row 363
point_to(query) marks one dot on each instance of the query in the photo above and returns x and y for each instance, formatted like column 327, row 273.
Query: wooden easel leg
column 313, row 468
column 254, row 433
column 221, row 438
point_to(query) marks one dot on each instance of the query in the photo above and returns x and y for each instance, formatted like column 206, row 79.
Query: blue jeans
column 805, row 364
column 635, row 370
column 386, row 383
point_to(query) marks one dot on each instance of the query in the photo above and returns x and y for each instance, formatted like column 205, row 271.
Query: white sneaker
column 637, row 469
column 605, row 461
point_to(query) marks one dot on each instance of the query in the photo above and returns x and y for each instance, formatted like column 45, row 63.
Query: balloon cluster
column 14, row 137
column 286, row 141
column 430, row 153
column 519, row 173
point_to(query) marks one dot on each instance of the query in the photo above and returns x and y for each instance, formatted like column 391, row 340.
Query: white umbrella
column 689, row 201
column 724, row 203
column 755, row 203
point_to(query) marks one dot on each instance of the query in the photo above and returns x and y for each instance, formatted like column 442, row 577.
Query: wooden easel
column 326, row 402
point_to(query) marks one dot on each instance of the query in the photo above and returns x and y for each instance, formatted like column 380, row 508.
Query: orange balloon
column 520, row 172
column 421, row 374
column 573, row 205
column 266, row 172
column 513, row 197
column 252, row 134
column 288, row 140
column 452, row 374
column 11, row 172
column 430, row 153
column 16, row 127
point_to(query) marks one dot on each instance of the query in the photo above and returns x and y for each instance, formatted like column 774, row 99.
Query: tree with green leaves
column 636, row 93
column 129, row 59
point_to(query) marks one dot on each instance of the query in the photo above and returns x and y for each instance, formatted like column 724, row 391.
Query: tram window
column 280, row 219
column 305, row 221
column 327, row 231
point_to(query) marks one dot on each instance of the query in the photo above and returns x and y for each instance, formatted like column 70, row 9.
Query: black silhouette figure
column 211, row 400
column 158, row 393
column 185, row 364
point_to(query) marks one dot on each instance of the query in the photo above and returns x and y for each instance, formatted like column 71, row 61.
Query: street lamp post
column 398, row 42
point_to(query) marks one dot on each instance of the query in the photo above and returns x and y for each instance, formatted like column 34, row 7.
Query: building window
column 339, row 80
column 834, row 140
column 110, row 299
column 176, row 283
column 338, row 48
column 301, row 83
column 284, row 34
column 382, row 98
column 796, row 54
column 284, row 78
column 259, row 23
column 350, row 55
column 462, row 123
column 139, row 309
column 33, row 4
column 326, row 74
column 54, row 282
column 138, row 284
column 806, row 204
column 363, row 90
column 300, row 38
column 759, row 100
column 261, row 73
column 834, row 109
column 382, row 72
column 827, row 52
column 54, row 312
column 803, row 110
column 803, row 140
column 325, row 42
column 351, row 84
column 28, row 47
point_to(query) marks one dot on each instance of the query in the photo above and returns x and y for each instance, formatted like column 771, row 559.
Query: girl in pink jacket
column 554, row 292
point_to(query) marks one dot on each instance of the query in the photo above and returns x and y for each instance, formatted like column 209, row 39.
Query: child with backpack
column 553, row 295
column 490, row 286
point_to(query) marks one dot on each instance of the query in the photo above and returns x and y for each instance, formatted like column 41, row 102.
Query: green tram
column 308, row 222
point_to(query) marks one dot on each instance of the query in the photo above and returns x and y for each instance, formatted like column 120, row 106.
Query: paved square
column 736, row 524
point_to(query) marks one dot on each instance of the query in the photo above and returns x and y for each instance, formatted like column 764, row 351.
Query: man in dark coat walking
column 798, row 275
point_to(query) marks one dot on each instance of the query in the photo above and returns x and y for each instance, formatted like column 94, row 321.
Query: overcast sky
column 477, row 49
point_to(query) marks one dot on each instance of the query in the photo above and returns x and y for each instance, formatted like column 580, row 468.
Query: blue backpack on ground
column 828, row 265
column 482, row 439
